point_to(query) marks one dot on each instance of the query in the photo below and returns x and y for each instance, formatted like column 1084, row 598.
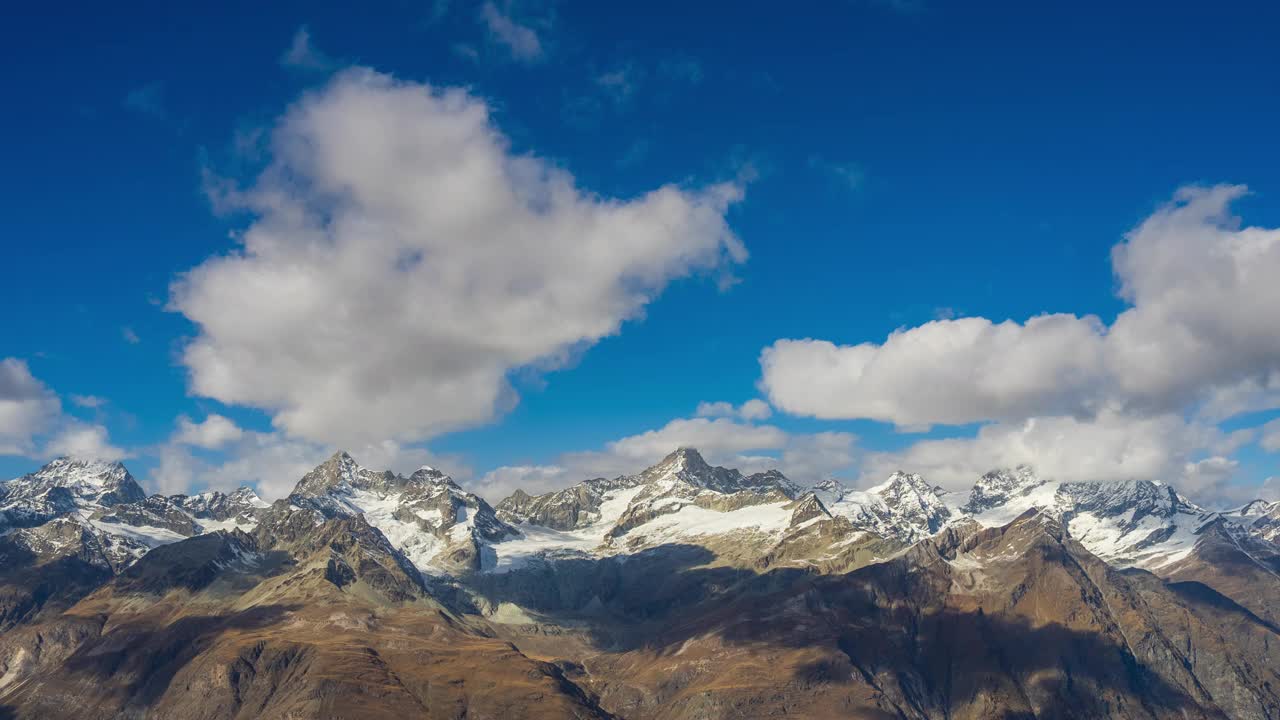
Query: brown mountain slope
column 1241, row 567
column 315, row 618
column 332, row 625
column 1005, row 623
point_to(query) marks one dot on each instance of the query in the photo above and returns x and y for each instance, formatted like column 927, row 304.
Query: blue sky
column 899, row 163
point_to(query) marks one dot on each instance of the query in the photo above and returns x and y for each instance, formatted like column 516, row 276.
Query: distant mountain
column 437, row 524
column 683, row 591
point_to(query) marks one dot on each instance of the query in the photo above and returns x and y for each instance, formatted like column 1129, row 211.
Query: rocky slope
column 437, row 524
column 683, row 591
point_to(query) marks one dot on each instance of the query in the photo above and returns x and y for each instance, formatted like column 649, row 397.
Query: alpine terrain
column 684, row 591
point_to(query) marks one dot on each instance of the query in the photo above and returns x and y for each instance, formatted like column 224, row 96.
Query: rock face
column 63, row 486
column 904, row 507
column 1261, row 517
column 1130, row 524
column 684, row 591
column 999, row 487
column 437, row 524
column 570, row 509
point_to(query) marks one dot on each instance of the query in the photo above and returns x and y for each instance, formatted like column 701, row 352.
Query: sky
column 534, row 242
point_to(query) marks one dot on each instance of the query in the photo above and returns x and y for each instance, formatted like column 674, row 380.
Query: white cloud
column 522, row 41
column 533, row 479
column 304, row 55
column 945, row 371
column 32, row 423
column 754, row 409
column 1270, row 439
column 717, row 438
column 1200, row 330
column 809, row 459
column 130, row 336
column 1109, row 447
column 27, row 407
column 403, row 261
column 79, row 440
column 1209, row 479
column 175, row 473
column 91, row 402
column 271, row 462
column 1270, row 489
column 214, row 432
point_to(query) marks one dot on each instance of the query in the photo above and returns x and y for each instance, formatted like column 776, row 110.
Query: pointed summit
column 98, row 481
column 908, row 496
column 685, row 458
column 999, row 486
column 830, row 491
column 339, row 474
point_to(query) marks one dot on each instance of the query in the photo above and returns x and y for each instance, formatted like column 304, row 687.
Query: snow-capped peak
column 830, row 491
column 683, row 461
column 685, row 466
column 999, row 486
column 913, row 500
column 91, row 481
column 247, row 496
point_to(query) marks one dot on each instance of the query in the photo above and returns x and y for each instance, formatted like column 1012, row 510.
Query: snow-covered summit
column 1000, row 486
column 686, row 466
column 1127, row 523
column 904, row 507
column 427, row 516
column 87, row 481
column 118, row 523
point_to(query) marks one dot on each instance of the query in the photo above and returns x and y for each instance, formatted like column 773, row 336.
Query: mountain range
column 684, row 591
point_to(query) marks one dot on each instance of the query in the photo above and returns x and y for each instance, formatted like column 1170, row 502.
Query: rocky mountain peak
column 999, row 486
column 429, row 476
column 340, row 474
column 830, row 491
column 684, row 460
column 914, row 501
column 685, row 466
column 1138, row 499
column 93, row 481
column 908, row 490
column 247, row 496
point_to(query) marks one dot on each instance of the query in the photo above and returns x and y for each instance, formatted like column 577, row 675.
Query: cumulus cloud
column 533, row 479
column 1200, row 330
column 1270, row 439
column 1108, row 447
column 214, row 432
column 272, row 462
column 32, row 423
column 79, row 440
column 719, row 437
column 754, row 409
column 27, row 407
column 945, row 371
column 401, row 261
column 521, row 40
